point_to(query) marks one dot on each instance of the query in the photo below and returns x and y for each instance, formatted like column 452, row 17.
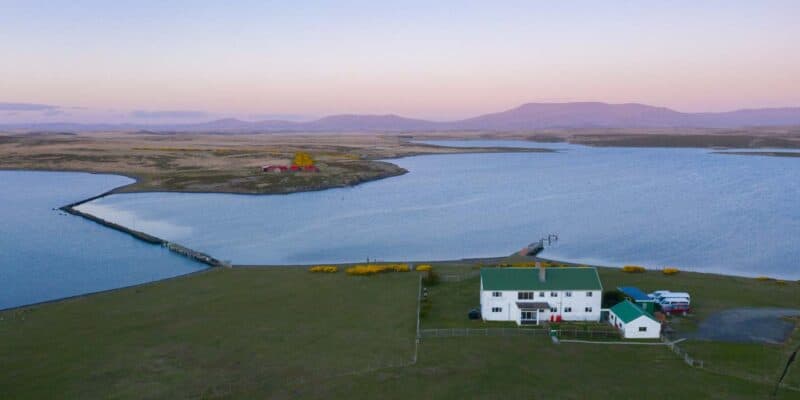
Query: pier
column 535, row 248
column 173, row 247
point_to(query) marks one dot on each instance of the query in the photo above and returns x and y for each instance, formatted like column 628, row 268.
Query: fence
column 689, row 360
column 459, row 277
column 578, row 333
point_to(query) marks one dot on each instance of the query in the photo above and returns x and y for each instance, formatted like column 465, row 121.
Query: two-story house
column 535, row 295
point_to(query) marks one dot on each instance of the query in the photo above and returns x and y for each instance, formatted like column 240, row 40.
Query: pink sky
column 444, row 61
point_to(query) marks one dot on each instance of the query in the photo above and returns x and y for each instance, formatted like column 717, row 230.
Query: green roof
column 563, row 278
column 627, row 311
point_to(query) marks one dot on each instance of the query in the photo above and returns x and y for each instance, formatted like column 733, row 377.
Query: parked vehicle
column 675, row 306
column 674, row 295
column 655, row 295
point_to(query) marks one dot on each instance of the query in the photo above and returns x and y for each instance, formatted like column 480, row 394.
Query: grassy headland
column 217, row 163
column 289, row 333
column 744, row 138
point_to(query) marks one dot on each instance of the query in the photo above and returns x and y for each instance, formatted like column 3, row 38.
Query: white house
column 535, row 295
column 633, row 321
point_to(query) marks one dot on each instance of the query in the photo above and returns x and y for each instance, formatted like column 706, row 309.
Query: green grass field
column 216, row 334
column 288, row 333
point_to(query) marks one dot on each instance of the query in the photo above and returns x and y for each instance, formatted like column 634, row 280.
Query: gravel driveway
column 748, row 325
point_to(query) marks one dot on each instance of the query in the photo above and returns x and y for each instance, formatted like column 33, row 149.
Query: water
column 611, row 206
column 46, row 254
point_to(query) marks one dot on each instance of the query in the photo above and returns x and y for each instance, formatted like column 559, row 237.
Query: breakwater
column 173, row 247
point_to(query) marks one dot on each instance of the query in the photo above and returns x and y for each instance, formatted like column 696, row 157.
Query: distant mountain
column 576, row 115
column 529, row 116
column 351, row 122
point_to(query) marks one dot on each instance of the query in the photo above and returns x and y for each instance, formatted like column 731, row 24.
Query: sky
column 170, row 61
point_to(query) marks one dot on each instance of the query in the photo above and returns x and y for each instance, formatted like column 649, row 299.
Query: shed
column 633, row 321
column 639, row 297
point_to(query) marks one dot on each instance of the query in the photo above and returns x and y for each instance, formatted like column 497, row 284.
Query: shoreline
column 374, row 168
column 440, row 263
column 213, row 262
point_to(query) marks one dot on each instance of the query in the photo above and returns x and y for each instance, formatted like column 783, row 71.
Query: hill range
column 530, row 116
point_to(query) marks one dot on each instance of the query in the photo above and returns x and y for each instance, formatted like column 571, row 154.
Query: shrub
column 431, row 278
column 424, row 267
column 633, row 268
column 425, row 308
column 324, row 268
column 763, row 278
column 400, row 267
column 670, row 271
column 780, row 282
column 612, row 298
column 372, row 269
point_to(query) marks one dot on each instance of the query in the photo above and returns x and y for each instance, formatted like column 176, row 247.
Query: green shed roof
column 564, row 278
column 627, row 311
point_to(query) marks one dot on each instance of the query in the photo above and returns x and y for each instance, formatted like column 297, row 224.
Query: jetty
column 173, row 247
column 535, row 248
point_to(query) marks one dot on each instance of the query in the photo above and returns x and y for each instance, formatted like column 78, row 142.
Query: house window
column 567, row 309
column 554, row 309
column 527, row 315
column 588, row 309
column 497, row 294
column 588, row 294
column 541, row 294
column 553, row 294
column 524, row 295
column 568, row 294
column 497, row 309
column 642, row 329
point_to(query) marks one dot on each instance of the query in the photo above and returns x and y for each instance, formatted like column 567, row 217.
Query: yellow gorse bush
column 324, row 268
column 372, row 269
column 670, row 271
column 633, row 268
column 424, row 267
column 763, row 278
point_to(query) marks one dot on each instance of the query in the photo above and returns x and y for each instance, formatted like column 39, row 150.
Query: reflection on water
column 683, row 207
column 46, row 254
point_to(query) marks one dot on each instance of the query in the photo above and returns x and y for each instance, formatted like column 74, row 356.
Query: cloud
column 188, row 114
column 285, row 117
column 26, row 107
column 52, row 113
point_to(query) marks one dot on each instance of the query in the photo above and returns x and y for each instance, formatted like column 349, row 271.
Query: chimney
column 542, row 272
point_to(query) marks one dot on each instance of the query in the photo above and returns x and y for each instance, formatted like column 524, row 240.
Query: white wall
column 508, row 299
column 631, row 329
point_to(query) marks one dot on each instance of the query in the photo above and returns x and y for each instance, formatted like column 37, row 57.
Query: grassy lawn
column 215, row 334
column 287, row 333
column 450, row 302
column 534, row 368
column 710, row 293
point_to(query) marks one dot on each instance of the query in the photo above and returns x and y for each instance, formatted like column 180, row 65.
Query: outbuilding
column 639, row 297
column 633, row 321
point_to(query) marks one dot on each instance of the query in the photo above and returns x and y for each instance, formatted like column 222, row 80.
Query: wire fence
column 689, row 360
column 575, row 333
column 459, row 277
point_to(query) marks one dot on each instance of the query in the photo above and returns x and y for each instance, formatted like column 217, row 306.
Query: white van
column 674, row 295
column 658, row 293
